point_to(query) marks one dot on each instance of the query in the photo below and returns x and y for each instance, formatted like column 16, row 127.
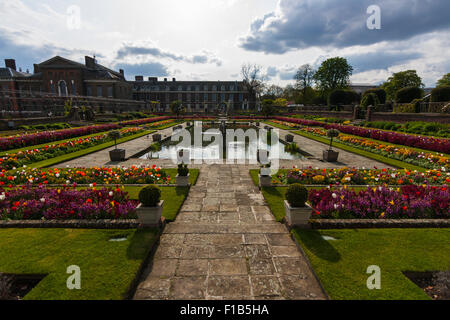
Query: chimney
column 10, row 63
column 36, row 68
column 122, row 72
column 139, row 78
column 165, row 79
column 90, row 62
column 173, row 80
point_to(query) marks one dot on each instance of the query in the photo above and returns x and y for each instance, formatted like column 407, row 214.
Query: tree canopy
column 444, row 81
column 334, row 73
column 400, row 80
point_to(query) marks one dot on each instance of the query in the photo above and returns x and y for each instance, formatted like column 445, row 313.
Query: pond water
column 212, row 145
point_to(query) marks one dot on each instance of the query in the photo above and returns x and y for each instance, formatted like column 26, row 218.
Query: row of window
column 205, row 87
column 214, row 97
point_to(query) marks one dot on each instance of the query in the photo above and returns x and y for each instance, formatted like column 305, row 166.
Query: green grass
column 341, row 265
column 80, row 153
column 107, row 268
column 367, row 154
column 277, row 125
column 173, row 199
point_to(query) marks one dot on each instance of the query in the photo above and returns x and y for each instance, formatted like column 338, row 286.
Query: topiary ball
column 297, row 195
column 333, row 133
column 149, row 196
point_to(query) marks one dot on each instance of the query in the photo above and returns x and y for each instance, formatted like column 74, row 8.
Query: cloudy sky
column 211, row 39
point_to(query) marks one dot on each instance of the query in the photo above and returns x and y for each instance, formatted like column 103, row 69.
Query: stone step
column 267, row 227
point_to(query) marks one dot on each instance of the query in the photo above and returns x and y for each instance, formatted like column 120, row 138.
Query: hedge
column 408, row 94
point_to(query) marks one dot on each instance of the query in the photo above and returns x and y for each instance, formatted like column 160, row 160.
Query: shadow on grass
column 181, row 191
column 318, row 246
column 141, row 241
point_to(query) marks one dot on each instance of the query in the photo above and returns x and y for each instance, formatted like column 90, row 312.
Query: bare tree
column 272, row 91
column 304, row 77
column 253, row 79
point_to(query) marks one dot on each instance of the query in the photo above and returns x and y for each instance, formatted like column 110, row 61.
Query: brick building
column 196, row 96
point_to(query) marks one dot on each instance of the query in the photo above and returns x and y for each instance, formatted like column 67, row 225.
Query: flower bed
column 352, row 176
column 406, row 202
column 122, row 175
column 28, row 203
column 19, row 141
column 160, row 123
column 427, row 143
column 12, row 161
column 143, row 121
column 422, row 159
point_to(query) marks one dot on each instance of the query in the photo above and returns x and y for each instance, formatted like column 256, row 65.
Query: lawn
column 173, row 199
column 341, row 264
column 107, row 268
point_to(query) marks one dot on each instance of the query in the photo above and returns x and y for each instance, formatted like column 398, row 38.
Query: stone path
column 225, row 244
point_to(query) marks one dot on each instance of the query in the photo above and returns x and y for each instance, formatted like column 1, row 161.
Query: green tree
column 304, row 78
column 400, row 80
column 444, row 81
column 176, row 107
column 334, row 73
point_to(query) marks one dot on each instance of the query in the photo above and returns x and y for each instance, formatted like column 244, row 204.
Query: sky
column 211, row 39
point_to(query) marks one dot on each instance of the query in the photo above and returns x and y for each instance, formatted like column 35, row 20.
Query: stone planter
column 182, row 180
column 330, row 155
column 298, row 216
column 289, row 138
column 257, row 124
column 265, row 181
column 156, row 137
column 265, row 171
column 150, row 216
column 117, row 155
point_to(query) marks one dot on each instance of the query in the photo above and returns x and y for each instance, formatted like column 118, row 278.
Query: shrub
column 380, row 93
column 408, row 94
column 342, row 97
column 183, row 170
column 370, row 99
column 296, row 195
column 149, row 196
column 440, row 94
column 115, row 134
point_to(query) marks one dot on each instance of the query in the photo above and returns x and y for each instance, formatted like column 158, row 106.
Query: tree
column 304, row 78
column 334, row 73
column 400, row 80
column 272, row 92
column 253, row 79
column 444, row 81
column 176, row 107
column 280, row 102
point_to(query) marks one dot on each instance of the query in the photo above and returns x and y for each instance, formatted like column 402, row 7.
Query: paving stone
column 255, row 239
column 236, row 251
column 237, row 266
column 195, row 252
column 185, row 288
column 167, row 251
column 163, row 267
column 153, row 288
column 290, row 266
column 297, row 288
column 228, row 287
column 192, row 267
column 285, row 251
column 257, row 251
column 265, row 286
column 261, row 266
column 280, row 240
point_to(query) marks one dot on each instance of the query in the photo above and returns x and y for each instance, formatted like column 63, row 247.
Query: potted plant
column 289, row 138
column 150, row 208
column 183, row 175
column 330, row 155
column 265, row 178
column 298, row 212
column 116, row 154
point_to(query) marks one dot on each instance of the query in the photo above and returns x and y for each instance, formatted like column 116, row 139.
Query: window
column 214, row 97
column 241, row 97
column 222, row 97
column 214, row 88
column 231, row 97
column 205, row 97
column 74, row 88
column 99, row 91
column 180, row 88
column 205, row 87
column 110, row 92
column 89, row 91
column 222, row 88
column 232, row 87
column 52, row 88
column 197, row 88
